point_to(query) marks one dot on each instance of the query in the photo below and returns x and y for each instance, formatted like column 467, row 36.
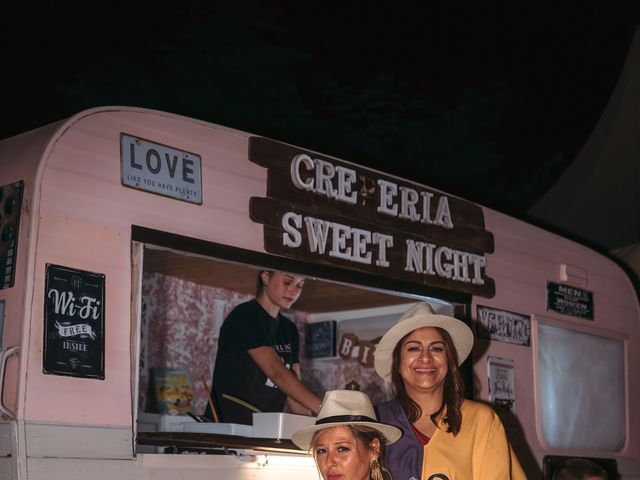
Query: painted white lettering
column 388, row 191
column 346, row 346
column 419, row 257
column 443, row 214
column 317, row 233
column 324, row 174
column 77, row 347
column 478, row 262
column 346, row 178
column 426, row 207
column 414, row 256
column 408, row 201
column 76, row 330
column 339, row 247
column 407, row 206
column 443, row 269
column 361, row 239
column 335, row 239
column 328, row 180
column 428, row 259
column 364, row 357
column 428, row 268
column 296, row 178
column 63, row 303
column 460, row 266
column 87, row 309
column 291, row 237
column 383, row 241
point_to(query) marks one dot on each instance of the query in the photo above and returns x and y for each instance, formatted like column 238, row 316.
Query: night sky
column 487, row 100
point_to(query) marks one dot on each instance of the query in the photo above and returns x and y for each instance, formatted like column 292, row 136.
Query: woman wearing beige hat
column 445, row 436
column 347, row 441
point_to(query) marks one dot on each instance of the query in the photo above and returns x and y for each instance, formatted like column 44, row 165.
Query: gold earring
column 374, row 470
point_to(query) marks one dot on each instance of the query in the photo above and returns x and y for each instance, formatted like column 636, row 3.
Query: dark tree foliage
column 482, row 100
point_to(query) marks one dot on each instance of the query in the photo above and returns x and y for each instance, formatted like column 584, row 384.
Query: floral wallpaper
column 180, row 322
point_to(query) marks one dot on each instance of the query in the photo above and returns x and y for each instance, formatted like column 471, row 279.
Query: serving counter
column 176, row 442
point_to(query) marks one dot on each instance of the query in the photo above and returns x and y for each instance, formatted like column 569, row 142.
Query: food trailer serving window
column 581, row 389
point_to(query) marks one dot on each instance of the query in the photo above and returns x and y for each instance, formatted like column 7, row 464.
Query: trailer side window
column 582, row 389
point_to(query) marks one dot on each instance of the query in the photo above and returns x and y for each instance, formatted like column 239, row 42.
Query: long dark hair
column 453, row 392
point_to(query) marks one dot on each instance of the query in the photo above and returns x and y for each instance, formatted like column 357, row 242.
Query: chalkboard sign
column 569, row 300
column 320, row 339
column 74, row 323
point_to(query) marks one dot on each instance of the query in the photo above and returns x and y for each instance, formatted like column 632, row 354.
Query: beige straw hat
column 345, row 407
column 418, row 316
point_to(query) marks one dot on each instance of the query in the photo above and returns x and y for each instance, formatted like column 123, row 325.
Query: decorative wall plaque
column 502, row 387
column 74, row 323
column 569, row 300
column 320, row 339
column 503, row 326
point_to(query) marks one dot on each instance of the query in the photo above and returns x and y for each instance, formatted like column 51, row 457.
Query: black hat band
column 346, row 419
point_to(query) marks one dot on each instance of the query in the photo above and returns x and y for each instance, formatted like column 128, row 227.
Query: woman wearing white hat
column 445, row 436
column 347, row 441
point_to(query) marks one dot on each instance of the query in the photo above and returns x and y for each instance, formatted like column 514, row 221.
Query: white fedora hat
column 418, row 316
column 345, row 407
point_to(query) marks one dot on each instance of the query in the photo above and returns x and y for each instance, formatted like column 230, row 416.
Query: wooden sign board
column 332, row 212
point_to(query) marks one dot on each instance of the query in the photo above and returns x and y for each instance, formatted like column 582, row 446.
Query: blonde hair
column 363, row 434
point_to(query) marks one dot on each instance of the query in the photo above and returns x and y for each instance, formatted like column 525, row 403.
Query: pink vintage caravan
column 128, row 235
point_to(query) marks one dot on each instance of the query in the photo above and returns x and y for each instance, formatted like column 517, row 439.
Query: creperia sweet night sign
column 328, row 211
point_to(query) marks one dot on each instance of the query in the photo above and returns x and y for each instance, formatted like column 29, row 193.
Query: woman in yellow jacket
column 445, row 436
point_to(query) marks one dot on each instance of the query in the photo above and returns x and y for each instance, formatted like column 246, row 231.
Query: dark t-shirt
column 250, row 326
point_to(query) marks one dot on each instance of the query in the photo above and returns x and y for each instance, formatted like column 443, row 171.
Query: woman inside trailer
column 445, row 435
column 257, row 367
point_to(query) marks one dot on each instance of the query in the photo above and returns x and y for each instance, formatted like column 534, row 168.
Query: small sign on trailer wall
column 74, row 323
column 502, row 389
column 503, row 326
column 320, row 339
column 160, row 169
column 569, row 300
